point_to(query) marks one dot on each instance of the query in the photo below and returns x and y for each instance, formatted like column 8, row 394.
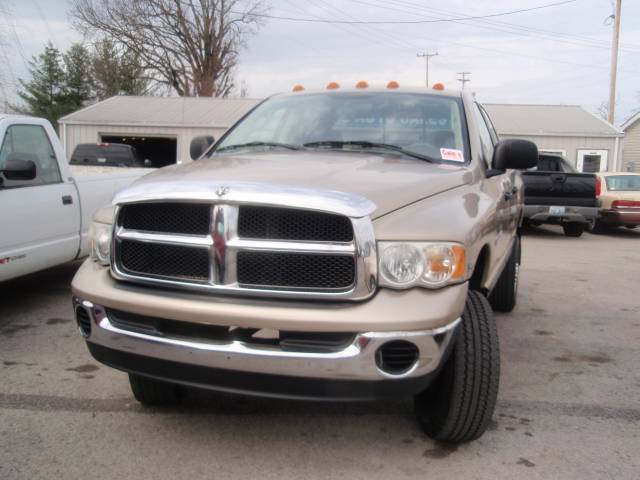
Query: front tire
column 504, row 295
column 153, row 392
column 458, row 406
column 573, row 229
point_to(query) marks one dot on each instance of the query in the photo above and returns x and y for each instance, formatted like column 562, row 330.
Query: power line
column 500, row 26
column 403, row 41
column 402, row 22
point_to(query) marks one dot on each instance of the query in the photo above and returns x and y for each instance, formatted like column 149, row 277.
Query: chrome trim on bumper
column 540, row 213
column 354, row 362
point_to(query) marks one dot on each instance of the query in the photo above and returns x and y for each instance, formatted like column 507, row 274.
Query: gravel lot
column 569, row 404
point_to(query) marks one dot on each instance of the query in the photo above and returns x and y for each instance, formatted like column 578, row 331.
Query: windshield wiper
column 366, row 144
column 258, row 144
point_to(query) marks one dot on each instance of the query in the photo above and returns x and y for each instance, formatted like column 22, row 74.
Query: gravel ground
column 569, row 403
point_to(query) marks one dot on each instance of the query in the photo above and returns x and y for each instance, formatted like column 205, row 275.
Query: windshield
column 623, row 182
column 427, row 125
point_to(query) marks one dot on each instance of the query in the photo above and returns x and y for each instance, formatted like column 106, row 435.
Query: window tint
column 30, row 142
column 623, row 182
column 420, row 123
column 486, row 141
column 490, row 127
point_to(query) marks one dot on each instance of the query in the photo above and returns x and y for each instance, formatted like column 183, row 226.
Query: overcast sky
column 554, row 55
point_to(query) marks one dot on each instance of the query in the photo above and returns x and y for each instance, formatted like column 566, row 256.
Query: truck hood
column 389, row 181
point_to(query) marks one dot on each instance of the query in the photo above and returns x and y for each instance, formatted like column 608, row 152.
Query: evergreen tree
column 44, row 94
column 116, row 71
column 78, row 79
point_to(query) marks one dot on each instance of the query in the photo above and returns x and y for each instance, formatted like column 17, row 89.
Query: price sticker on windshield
column 451, row 154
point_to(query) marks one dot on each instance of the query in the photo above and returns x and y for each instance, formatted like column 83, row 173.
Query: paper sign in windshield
column 451, row 154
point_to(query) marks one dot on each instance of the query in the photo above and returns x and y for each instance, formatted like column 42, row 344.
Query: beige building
column 631, row 150
column 588, row 142
column 160, row 128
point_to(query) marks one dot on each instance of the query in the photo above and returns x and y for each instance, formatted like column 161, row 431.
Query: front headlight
column 423, row 264
column 100, row 242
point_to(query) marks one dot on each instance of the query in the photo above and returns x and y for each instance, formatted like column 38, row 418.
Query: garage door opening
column 160, row 151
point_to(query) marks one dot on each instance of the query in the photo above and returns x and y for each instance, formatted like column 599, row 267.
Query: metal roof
column 549, row 120
column 163, row 111
column 630, row 121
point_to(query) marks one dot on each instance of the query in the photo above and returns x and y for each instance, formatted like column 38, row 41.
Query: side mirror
column 19, row 169
column 515, row 154
column 199, row 145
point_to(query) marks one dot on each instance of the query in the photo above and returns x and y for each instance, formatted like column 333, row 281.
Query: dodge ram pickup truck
column 554, row 193
column 45, row 207
column 333, row 244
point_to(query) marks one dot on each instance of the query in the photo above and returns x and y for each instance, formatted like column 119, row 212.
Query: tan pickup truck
column 334, row 244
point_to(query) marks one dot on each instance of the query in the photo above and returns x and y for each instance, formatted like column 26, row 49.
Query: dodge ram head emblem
column 222, row 191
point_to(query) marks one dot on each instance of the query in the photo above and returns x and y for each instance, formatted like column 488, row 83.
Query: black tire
column 596, row 228
column 458, row 406
column 504, row 295
column 573, row 229
column 153, row 392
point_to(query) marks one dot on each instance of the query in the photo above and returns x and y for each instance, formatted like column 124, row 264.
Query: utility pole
column 427, row 56
column 614, row 62
column 464, row 78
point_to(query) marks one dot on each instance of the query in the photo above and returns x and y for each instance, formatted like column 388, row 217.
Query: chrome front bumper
column 356, row 361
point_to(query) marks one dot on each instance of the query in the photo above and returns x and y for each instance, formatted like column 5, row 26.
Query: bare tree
column 191, row 46
column 603, row 110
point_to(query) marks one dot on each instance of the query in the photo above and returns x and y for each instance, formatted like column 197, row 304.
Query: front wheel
column 458, row 406
column 573, row 229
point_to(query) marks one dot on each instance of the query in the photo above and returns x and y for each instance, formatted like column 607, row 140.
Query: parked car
column 332, row 245
column 45, row 210
column 619, row 196
column 556, row 194
column 108, row 155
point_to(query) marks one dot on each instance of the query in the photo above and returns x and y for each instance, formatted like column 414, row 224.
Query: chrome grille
column 165, row 261
column 246, row 249
column 189, row 218
column 290, row 224
column 295, row 270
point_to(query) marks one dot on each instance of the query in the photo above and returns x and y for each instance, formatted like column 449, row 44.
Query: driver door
column 39, row 218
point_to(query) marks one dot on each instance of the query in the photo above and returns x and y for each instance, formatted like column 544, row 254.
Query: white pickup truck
column 45, row 206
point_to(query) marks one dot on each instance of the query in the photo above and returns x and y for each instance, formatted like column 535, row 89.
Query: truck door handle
column 67, row 199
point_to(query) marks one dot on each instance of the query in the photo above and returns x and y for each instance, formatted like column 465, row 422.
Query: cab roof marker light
column 362, row 84
column 393, row 84
column 333, row 85
column 438, row 86
column 298, row 88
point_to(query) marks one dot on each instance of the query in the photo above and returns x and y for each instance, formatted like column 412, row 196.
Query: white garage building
column 588, row 142
column 160, row 128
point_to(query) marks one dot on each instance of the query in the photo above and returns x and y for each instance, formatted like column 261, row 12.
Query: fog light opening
column 397, row 357
column 83, row 320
